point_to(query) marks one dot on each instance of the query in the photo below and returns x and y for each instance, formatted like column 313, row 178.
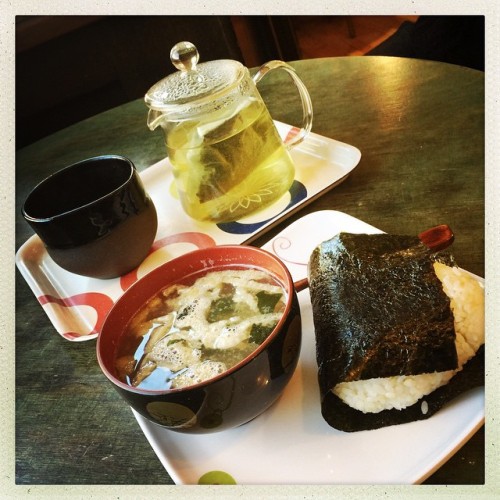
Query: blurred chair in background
column 450, row 39
column 69, row 68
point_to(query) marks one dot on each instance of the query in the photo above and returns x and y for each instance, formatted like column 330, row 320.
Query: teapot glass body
column 228, row 158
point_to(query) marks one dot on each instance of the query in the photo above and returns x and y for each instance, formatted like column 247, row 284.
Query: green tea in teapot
column 227, row 156
column 229, row 164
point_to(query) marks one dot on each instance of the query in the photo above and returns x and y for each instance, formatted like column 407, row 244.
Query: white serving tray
column 77, row 306
column 291, row 443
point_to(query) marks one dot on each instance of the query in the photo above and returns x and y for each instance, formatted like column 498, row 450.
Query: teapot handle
column 307, row 109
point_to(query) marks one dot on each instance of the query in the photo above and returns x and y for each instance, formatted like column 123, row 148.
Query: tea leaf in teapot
column 228, row 161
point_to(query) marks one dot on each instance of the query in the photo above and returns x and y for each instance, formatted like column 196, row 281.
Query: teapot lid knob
column 184, row 56
column 195, row 84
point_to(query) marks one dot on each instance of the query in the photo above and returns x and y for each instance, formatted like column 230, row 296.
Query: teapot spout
column 154, row 118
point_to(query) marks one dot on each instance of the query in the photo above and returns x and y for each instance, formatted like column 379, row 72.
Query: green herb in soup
column 191, row 333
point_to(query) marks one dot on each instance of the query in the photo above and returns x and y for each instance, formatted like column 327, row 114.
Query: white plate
column 77, row 305
column 291, row 443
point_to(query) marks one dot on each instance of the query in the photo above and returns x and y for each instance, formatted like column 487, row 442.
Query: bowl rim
column 290, row 293
column 63, row 171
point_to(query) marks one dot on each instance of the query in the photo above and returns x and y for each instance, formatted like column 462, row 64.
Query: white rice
column 467, row 303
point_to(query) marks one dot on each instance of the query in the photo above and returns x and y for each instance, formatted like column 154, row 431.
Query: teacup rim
column 62, row 171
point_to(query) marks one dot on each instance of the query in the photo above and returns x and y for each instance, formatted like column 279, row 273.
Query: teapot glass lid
column 193, row 81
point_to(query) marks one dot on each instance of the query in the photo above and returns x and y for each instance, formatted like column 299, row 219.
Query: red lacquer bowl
column 233, row 397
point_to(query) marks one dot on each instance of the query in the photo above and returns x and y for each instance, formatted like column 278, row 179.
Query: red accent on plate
column 200, row 240
column 101, row 303
column 291, row 134
column 437, row 238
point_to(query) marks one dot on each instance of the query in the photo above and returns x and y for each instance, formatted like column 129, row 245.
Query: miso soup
column 191, row 332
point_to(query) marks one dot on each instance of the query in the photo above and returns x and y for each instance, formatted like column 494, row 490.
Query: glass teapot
column 227, row 157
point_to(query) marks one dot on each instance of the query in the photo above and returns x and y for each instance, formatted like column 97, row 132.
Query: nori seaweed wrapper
column 379, row 311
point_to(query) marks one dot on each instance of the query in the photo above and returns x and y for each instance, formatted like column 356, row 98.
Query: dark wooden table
column 420, row 128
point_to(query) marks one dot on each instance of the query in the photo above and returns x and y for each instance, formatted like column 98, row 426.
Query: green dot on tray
column 216, row 477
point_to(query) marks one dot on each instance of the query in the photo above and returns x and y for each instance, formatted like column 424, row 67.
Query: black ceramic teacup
column 94, row 217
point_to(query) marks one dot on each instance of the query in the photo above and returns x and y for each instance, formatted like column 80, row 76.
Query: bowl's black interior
column 76, row 186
